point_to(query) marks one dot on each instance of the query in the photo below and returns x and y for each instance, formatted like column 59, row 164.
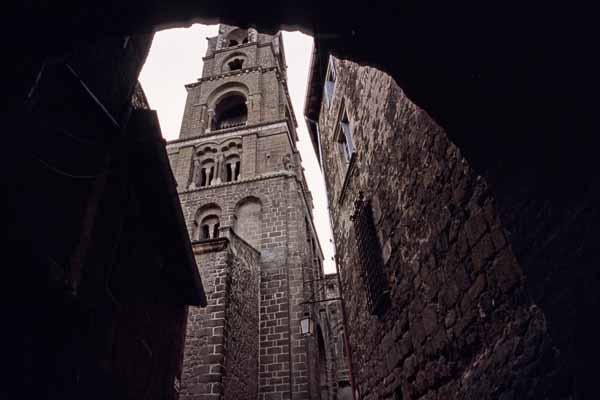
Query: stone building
column 99, row 294
column 437, row 303
column 249, row 214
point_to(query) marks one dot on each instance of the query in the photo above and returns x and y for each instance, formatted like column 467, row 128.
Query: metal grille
column 370, row 258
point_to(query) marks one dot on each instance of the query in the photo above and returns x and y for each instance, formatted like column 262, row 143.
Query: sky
column 175, row 59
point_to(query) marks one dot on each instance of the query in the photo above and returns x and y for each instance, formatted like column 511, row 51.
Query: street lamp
column 307, row 325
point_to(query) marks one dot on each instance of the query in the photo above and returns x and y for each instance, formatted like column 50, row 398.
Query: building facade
column 249, row 214
column 436, row 301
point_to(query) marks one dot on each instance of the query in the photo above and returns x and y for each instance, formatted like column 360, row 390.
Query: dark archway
column 231, row 111
column 515, row 92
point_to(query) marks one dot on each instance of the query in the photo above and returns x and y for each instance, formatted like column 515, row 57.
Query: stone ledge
column 246, row 130
column 253, row 179
column 228, row 74
column 209, row 245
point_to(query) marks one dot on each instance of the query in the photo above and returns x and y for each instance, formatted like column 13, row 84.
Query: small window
column 237, row 36
column 330, row 83
column 344, row 138
column 207, row 173
column 205, row 232
column 232, row 169
column 209, row 227
column 235, row 64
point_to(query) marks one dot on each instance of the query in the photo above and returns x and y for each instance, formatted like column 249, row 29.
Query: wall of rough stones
column 461, row 323
column 241, row 322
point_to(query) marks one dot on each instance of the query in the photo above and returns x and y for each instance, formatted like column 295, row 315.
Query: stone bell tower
column 249, row 215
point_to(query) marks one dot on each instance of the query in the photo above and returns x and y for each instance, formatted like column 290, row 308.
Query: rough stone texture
column 257, row 351
column 241, row 322
column 461, row 323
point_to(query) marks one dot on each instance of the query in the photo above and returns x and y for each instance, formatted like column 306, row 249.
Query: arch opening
column 237, row 37
column 207, row 222
column 232, row 168
column 235, row 64
column 230, row 112
column 248, row 220
column 209, row 227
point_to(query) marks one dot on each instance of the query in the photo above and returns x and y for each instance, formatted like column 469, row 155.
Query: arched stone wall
column 248, row 219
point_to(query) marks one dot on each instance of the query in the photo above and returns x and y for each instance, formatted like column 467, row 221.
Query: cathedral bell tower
column 249, row 215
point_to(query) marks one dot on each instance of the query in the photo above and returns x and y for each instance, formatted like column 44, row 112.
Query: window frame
column 345, row 163
column 344, row 138
column 370, row 257
column 330, row 83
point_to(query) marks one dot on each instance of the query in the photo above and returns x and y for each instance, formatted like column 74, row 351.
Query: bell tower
column 249, row 215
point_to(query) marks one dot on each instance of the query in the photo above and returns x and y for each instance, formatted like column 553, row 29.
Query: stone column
column 206, row 176
column 203, row 118
column 211, row 117
column 218, row 170
column 211, row 175
column 195, row 176
column 231, row 170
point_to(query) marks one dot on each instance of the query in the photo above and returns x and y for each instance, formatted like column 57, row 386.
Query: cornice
column 232, row 48
column 278, row 174
column 229, row 74
column 225, row 134
column 209, row 245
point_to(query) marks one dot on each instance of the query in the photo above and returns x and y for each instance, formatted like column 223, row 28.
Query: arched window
column 207, row 173
column 232, row 168
column 209, row 227
column 230, row 112
column 237, row 36
column 235, row 64
column 207, row 222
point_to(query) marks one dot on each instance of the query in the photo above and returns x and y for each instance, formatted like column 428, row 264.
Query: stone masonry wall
column 265, row 210
column 241, row 322
column 203, row 359
column 460, row 324
column 282, row 249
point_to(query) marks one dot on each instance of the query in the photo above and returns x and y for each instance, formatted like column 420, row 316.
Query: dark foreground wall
column 460, row 321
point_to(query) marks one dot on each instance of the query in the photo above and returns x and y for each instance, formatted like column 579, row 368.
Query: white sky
column 175, row 59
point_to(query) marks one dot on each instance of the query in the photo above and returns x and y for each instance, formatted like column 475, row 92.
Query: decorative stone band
column 224, row 134
column 209, row 245
column 239, row 46
column 285, row 173
column 227, row 74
